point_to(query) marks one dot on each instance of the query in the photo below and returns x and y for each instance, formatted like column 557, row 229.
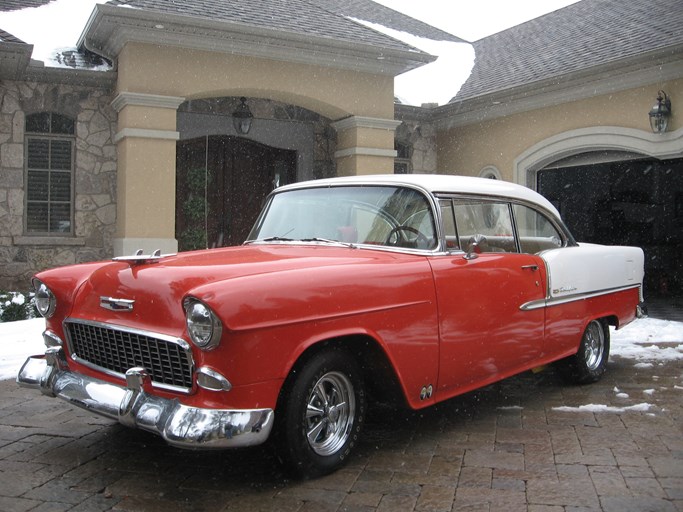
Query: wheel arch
column 381, row 380
column 611, row 320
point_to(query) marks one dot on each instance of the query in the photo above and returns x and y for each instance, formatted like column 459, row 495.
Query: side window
column 448, row 218
column 536, row 232
column 49, row 173
column 488, row 218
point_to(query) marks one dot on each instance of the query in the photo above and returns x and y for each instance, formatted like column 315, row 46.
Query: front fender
column 270, row 320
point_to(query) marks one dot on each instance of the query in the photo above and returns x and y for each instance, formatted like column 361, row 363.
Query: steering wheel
column 420, row 239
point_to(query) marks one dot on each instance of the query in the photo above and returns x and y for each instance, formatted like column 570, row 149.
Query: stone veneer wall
column 94, row 204
column 421, row 137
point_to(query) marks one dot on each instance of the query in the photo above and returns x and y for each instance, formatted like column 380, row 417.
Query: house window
column 49, row 173
column 402, row 162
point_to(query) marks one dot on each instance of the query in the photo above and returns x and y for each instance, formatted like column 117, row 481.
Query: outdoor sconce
column 242, row 117
column 660, row 113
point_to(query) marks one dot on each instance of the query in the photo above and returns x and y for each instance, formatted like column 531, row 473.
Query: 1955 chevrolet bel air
column 348, row 289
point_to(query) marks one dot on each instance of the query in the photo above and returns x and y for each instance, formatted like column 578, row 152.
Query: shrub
column 16, row 306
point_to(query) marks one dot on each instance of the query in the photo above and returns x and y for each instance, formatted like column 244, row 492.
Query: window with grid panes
column 49, row 173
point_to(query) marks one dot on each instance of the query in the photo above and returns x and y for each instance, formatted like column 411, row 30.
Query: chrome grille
column 167, row 360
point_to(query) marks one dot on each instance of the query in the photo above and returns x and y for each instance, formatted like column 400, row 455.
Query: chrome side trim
column 549, row 302
column 134, row 406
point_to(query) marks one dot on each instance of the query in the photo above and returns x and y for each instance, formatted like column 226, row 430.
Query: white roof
column 440, row 183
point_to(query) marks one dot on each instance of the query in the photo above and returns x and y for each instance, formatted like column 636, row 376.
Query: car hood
column 158, row 287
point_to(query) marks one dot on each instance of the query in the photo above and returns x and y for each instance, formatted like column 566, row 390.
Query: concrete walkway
column 524, row 444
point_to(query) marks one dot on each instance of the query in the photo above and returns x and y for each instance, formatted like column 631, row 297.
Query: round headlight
column 44, row 299
column 203, row 325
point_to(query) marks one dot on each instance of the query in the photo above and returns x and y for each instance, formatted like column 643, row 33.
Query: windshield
column 377, row 215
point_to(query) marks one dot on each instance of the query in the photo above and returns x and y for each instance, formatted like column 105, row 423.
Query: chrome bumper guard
column 134, row 406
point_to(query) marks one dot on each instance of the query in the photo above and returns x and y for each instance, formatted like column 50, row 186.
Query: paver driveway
column 506, row 447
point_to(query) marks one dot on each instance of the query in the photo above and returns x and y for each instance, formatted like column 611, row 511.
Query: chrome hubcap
column 594, row 345
column 330, row 412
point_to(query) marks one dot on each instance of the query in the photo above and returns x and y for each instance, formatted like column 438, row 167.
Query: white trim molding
column 144, row 133
column 357, row 151
column 126, row 98
column 375, row 123
column 594, row 138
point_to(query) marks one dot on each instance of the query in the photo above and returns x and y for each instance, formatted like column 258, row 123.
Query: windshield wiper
column 327, row 241
column 276, row 239
column 270, row 239
column 314, row 239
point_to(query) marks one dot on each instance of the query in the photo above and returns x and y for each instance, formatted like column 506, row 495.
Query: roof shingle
column 15, row 5
column 318, row 18
column 583, row 35
column 6, row 37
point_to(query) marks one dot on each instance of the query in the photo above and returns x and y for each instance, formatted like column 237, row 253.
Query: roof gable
column 298, row 31
column 584, row 35
column 309, row 17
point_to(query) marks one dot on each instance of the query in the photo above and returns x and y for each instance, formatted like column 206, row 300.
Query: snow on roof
column 438, row 81
column 54, row 28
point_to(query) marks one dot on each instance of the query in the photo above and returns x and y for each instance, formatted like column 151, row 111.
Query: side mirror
column 473, row 248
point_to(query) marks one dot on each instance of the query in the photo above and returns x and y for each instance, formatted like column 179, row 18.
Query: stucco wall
column 193, row 74
column 94, row 204
column 468, row 149
column 153, row 81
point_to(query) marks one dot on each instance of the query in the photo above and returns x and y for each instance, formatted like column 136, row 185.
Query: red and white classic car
column 347, row 289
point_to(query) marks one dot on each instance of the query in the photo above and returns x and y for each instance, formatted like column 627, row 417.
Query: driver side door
column 485, row 334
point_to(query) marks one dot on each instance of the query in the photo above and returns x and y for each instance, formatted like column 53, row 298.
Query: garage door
column 634, row 202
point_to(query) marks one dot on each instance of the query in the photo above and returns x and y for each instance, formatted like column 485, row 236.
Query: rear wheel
column 322, row 413
column 590, row 362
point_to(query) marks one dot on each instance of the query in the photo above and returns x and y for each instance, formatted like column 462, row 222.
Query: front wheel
column 322, row 413
column 590, row 362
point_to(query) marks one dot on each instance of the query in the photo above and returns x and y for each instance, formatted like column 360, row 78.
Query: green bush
column 16, row 306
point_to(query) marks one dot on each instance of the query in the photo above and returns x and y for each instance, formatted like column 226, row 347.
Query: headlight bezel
column 44, row 299
column 203, row 325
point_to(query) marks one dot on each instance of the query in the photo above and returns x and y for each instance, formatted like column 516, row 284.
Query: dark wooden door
column 234, row 176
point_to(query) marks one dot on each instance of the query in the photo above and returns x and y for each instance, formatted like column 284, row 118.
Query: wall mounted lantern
column 660, row 113
column 242, row 117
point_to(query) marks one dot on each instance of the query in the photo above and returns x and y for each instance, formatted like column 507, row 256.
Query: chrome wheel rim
column 594, row 345
column 330, row 411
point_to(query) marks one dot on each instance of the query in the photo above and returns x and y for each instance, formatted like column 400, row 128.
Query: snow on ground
column 18, row 340
column 642, row 407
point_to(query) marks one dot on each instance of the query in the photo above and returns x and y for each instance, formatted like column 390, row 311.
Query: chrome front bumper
column 135, row 406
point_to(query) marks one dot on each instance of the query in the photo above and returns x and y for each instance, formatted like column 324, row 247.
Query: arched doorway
column 221, row 183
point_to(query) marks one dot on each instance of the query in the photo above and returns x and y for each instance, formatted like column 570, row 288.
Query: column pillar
column 365, row 145
column 146, row 164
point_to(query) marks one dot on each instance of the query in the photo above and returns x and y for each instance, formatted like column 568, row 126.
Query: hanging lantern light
column 660, row 113
column 242, row 117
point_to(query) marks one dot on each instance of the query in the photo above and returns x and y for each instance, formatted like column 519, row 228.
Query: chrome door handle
column 533, row 268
